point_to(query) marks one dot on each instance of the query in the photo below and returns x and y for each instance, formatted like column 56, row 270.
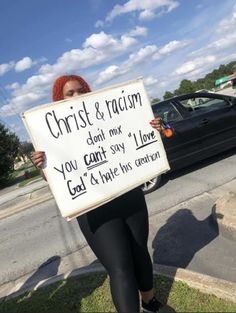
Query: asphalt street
column 182, row 234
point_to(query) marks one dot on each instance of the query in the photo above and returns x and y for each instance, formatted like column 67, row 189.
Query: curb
column 224, row 214
column 206, row 284
column 24, row 205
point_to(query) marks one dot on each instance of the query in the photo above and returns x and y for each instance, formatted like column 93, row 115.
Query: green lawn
column 18, row 176
column 90, row 293
column 33, row 174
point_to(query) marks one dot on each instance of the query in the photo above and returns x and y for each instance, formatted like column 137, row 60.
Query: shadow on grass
column 11, row 181
column 15, row 180
column 29, row 176
column 26, row 171
column 47, row 269
column 90, row 293
column 61, row 295
column 176, row 243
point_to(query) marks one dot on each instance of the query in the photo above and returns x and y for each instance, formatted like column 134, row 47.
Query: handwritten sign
column 98, row 145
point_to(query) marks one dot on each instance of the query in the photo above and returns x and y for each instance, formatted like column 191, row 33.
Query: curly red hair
column 59, row 83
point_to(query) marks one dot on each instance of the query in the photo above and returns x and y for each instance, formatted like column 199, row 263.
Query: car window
column 202, row 105
column 167, row 112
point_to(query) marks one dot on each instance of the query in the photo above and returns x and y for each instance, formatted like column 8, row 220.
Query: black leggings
column 117, row 232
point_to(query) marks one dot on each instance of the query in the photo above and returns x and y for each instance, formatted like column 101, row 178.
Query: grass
column 34, row 174
column 18, row 176
column 90, row 293
column 25, row 166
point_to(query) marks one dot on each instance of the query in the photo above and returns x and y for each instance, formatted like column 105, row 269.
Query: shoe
column 152, row 306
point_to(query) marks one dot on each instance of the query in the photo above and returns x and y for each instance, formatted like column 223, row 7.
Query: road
column 7, row 193
column 34, row 235
column 192, row 181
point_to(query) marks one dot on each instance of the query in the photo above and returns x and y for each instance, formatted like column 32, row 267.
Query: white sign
column 98, row 145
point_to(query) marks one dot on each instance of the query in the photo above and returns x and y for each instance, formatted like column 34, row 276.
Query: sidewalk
column 23, row 198
column 193, row 241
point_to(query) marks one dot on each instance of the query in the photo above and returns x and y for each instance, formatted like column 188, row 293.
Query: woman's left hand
column 156, row 124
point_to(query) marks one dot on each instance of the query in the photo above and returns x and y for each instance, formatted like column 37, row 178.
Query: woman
column 117, row 232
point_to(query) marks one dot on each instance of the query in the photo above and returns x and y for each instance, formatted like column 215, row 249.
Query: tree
column 168, row 95
column 9, row 145
column 186, row 86
column 25, row 149
column 155, row 100
column 207, row 82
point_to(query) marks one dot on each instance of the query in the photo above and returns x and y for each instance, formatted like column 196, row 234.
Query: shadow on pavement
column 46, row 270
column 80, row 285
column 180, row 238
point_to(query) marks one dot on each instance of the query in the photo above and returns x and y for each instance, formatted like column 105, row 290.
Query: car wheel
column 151, row 185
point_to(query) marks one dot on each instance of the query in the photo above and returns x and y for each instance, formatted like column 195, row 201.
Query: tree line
column 10, row 149
column 207, row 82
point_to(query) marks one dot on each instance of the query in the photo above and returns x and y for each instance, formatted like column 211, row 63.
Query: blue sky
column 108, row 42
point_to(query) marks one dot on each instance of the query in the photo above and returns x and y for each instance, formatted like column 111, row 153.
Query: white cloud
column 147, row 15
column 73, row 60
column 103, row 41
column 13, row 86
column 69, row 40
column 221, row 44
column 109, row 73
column 20, row 103
column 190, row 66
column 150, row 80
column 226, row 41
column 35, row 89
column 98, row 41
column 138, row 31
column 228, row 23
column 5, row 67
column 142, row 55
column 99, row 24
column 20, row 66
column 146, row 8
column 218, row 49
column 23, row 64
column 147, row 54
column 98, row 48
column 173, row 46
column 127, row 41
column 38, row 81
column 170, row 47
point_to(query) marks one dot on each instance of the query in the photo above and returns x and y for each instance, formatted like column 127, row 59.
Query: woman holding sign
column 117, row 231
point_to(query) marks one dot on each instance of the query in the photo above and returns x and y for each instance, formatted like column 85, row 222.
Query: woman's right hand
column 38, row 157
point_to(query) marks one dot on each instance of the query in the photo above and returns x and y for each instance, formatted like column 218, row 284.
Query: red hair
column 59, row 83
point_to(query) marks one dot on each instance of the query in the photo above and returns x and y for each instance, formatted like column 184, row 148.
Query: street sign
column 221, row 80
